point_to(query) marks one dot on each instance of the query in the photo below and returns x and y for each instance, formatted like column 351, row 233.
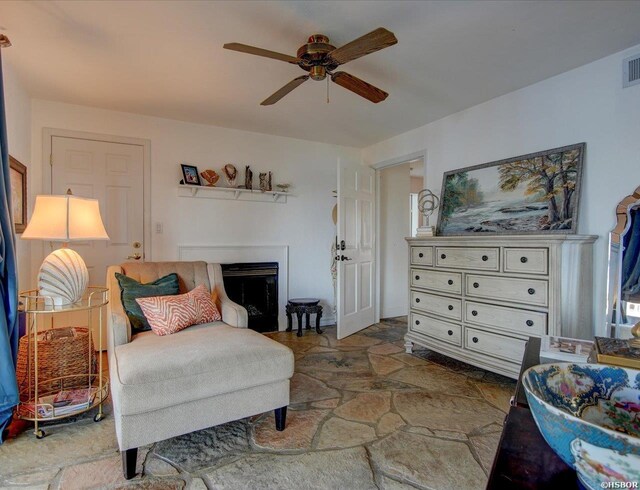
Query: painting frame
column 573, row 186
column 190, row 174
column 18, row 172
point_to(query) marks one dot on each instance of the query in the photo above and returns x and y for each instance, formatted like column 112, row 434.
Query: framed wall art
column 190, row 174
column 18, row 173
column 535, row 193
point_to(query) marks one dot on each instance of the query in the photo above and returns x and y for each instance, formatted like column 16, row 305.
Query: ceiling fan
column 320, row 59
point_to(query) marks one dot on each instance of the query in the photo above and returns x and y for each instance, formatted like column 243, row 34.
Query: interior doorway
column 399, row 185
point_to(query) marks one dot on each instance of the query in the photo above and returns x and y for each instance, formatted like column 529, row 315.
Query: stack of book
column 63, row 403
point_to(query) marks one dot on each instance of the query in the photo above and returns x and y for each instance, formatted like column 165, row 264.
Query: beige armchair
column 199, row 377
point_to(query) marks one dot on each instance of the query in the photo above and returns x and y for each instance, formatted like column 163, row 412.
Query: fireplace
column 254, row 285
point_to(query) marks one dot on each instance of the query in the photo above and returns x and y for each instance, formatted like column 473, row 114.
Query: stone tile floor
column 363, row 415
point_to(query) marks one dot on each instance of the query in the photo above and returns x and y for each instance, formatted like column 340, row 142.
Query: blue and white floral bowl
column 595, row 403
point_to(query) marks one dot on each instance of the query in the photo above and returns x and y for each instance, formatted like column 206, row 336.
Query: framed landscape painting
column 535, row 193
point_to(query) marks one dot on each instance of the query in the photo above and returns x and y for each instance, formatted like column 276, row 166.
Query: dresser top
column 490, row 238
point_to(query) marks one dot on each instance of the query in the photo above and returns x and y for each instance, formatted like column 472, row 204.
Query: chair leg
column 129, row 458
column 281, row 417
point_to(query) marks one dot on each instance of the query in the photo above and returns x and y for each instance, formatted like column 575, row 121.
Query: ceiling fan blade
column 245, row 48
column 285, row 90
column 369, row 43
column 360, row 87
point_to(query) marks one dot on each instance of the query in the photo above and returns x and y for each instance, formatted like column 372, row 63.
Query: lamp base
column 63, row 277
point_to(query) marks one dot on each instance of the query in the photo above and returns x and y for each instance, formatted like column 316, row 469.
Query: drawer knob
column 474, row 313
column 417, row 278
column 450, row 332
column 450, row 307
column 476, row 285
column 417, row 322
column 475, row 340
column 417, row 300
column 529, row 323
column 420, row 255
column 531, row 291
column 484, row 258
column 450, row 282
column 443, row 256
column 523, row 260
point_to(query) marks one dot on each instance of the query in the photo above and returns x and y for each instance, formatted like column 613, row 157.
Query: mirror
column 623, row 275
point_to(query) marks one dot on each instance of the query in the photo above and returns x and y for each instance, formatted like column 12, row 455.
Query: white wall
column 394, row 227
column 18, row 113
column 303, row 223
column 586, row 104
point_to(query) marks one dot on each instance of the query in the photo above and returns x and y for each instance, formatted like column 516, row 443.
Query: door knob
column 342, row 257
column 135, row 256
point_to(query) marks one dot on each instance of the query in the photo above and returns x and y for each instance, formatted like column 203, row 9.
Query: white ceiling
column 165, row 58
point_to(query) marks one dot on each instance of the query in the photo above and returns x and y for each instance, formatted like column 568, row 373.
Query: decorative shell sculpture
column 63, row 277
column 210, row 177
column 230, row 174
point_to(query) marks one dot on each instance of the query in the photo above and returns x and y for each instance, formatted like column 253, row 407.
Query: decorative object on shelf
column 211, row 177
column 190, row 174
column 619, row 352
column 248, row 178
column 230, row 174
column 535, row 193
column 265, row 181
column 18, row 175
column 597, row 404
column 427, row 203
column 283, row 187
column 63, row 276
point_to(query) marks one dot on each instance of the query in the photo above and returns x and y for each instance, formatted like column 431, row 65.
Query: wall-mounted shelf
column 230, row 193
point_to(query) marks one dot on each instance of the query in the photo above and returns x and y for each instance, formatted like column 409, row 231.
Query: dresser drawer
column 526, row 260
column 422, row 255
column 519, row 321
column 529, row 291
column 475, row 258
column 438, row 305
column 495, row 345
column 447, row 282
column 447, row 332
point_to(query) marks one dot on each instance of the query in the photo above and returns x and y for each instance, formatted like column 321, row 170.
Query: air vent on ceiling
column 631, row 70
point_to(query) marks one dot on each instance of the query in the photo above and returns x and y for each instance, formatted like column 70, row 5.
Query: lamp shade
column 65, row 218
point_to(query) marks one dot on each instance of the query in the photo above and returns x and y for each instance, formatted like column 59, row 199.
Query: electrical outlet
column 158, row 227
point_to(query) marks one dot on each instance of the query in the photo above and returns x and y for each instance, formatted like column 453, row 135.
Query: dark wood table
column 524, row 460
column 303, row 306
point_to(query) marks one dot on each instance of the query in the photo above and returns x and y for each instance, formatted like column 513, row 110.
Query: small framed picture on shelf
column 190, row 174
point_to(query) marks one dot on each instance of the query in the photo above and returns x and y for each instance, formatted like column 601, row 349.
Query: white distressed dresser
column 478, row 298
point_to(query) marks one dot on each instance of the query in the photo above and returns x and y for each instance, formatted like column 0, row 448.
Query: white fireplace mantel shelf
column 231, row 193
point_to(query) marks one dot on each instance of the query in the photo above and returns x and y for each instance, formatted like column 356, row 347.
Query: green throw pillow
column 132, row 289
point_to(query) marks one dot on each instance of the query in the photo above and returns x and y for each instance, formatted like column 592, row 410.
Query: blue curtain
column 8, row 282
column 631, row 259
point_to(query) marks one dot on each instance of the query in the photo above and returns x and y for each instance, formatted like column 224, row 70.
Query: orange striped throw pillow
column 170, row 314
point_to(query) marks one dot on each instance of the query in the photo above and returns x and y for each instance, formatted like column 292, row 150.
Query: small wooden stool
column 303, row 306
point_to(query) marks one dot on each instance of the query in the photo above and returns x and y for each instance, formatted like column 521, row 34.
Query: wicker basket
column 61, row 352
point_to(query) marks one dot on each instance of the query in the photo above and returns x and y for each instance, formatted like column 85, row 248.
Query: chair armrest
column 232, row 313
column 118, row 326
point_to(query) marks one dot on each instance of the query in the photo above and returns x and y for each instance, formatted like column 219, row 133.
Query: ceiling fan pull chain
column 327, row 90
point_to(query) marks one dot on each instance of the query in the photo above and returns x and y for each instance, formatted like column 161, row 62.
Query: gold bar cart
column 37, row 399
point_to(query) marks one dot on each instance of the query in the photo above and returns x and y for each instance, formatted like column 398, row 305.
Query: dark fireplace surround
column 254, row 285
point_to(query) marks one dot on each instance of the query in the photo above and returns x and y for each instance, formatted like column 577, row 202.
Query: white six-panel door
column 356, row 233
column 113, row 174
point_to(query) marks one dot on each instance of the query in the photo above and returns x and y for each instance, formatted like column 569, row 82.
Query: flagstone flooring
column 363, row 415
